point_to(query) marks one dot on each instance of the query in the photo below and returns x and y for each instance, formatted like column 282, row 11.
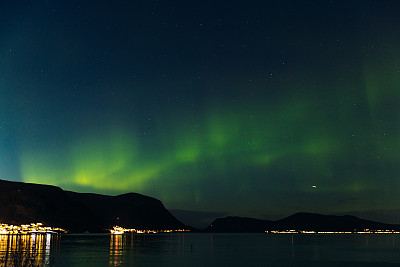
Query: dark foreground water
column 190, row 249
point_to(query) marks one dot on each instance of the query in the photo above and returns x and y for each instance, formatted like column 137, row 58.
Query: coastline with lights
column 366, row 231
column 33, row 228
column 38, row 228
column 118, row 230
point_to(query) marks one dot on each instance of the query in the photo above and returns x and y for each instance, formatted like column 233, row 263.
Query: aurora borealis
column 259, row 109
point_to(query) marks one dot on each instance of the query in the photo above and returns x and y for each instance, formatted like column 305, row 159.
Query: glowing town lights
column 118, row 230
column 33, row 228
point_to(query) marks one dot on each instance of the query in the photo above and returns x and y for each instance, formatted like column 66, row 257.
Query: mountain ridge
column 25, row 203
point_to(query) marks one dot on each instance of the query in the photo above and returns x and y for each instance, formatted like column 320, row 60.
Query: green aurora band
column 261, row 150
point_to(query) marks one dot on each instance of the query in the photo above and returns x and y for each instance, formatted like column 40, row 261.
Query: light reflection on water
column 116, row 249
column 130, row 248
column 27, row 249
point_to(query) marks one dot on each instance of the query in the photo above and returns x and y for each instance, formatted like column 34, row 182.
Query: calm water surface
column 191, row 249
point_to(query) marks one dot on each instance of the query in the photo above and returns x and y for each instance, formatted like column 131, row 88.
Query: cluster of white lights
column 32, row 228
column 118, row 230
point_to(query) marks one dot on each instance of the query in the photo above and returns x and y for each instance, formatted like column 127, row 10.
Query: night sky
column 249, row 108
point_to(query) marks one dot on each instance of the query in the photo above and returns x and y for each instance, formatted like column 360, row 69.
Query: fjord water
column 192, row 249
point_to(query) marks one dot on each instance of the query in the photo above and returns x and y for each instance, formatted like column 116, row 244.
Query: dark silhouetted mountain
column 299, row 221
column 129, row 210
column 22, row 203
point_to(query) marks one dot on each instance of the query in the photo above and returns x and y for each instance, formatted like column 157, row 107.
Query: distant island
column 301, row 222
column 26, row 203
